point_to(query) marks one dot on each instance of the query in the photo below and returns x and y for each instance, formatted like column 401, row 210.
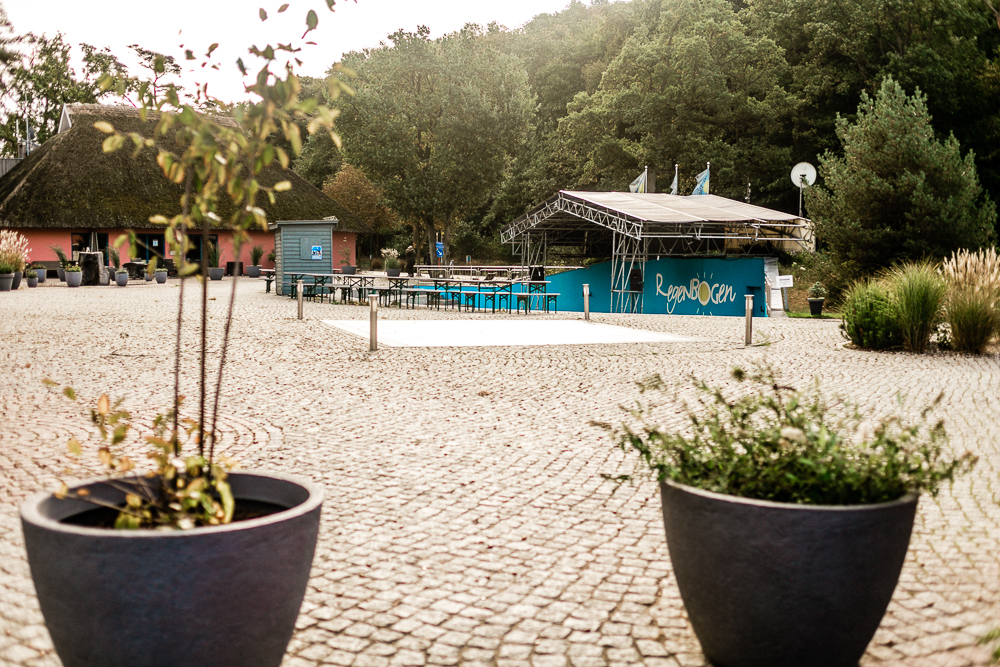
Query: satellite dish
column 803, row 174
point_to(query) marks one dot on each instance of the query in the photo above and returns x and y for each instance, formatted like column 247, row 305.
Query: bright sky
column 235, row 25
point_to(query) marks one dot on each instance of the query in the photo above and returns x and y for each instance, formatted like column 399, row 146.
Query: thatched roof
column 71, row 183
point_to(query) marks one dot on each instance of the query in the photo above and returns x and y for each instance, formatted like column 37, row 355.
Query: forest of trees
column 464, row 133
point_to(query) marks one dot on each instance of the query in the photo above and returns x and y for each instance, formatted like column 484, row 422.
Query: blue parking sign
column 440, row 249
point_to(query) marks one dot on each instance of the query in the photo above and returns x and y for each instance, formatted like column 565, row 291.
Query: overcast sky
column 235, row 24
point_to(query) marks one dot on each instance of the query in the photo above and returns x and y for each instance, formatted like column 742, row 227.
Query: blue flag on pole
column 702, row 187
column 639, row 184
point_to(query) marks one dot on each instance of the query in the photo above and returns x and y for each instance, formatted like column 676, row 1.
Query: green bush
column 783, row 445
column 869, row 318
column 918, row 295
column 376, row 264
column 973, row 318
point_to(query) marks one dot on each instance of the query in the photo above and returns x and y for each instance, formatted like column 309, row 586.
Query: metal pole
column 373, row 318
column 749, row 337
column 586, row 302
column 299, row 284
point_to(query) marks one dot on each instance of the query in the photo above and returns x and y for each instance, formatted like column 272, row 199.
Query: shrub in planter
column 816, row 295
column 6, row 276
column 74, row 276
column 918, row 294
column 121, row 277
column 256, row 252
column 869, row 320
column 32, row 278
column 787, row 528
column 63, row 261
column 161, row 276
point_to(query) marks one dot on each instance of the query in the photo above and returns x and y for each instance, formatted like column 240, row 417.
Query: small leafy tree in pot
column 256, row 252
column 234, row 583
column 775, row 476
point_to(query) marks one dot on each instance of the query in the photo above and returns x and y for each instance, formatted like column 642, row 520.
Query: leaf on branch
column 243, row 70
column 330, row 4
column 282, row 186
column 104, row 127
column 61, row 492
column 69, row 393
column 103, row 405
column 282, row 8
column 312, row 20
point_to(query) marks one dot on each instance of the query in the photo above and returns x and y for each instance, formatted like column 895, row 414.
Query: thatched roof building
column 70, row 183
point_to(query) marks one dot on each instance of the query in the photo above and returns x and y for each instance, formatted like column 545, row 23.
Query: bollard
column 299, row 283
column 749, row 298
column 586, row 302
column 373, row 317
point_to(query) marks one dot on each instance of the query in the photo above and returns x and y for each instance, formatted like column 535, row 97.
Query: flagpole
column 645, row 178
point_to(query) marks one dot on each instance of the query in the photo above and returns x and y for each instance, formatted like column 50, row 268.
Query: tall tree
column 695, row 86
column 435, row 123
column 897, row 192
column 352, row 188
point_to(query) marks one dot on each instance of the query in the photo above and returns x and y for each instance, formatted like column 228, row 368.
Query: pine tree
column 897, row 193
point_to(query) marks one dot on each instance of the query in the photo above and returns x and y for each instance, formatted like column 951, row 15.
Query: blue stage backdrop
column 673, row 287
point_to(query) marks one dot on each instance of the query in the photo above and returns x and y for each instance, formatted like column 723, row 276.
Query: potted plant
column 816, row 295
column 14, row 251
column 345, row 259
column 193, row 564
column 256, row 252
column 161, row 275
column 786, row 539
column 32, row 277
column 391, row 258
column 39, row 271
column 63, row 261
column 121, row 277
column 74, row 275
column 215, row 272
column 6, row 275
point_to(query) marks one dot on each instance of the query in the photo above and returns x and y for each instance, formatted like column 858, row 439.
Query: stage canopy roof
column 678, row 224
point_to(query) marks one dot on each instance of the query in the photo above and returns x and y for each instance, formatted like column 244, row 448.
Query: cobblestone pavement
column 466, row 520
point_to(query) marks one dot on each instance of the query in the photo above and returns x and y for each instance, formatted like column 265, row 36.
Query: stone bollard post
column 373, row 317
column 299, row 284
column 586, row 302
column 749, row 336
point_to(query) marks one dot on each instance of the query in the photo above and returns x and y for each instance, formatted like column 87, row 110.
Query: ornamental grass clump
column 783, row 445
column 918, row 296
column 973, row 308
column 14, row 249
column 869, row 319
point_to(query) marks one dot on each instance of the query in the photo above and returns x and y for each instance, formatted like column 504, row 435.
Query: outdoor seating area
column 468, row 294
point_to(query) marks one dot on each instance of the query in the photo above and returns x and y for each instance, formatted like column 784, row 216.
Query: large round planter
column 32, row 282
column 74, row 278
column 6, row 280
column 121, row 279
column 253, row 271
column 348, row 270
column 221, row 595
column 392, row 273
column 61, row 273
column 41, row 274
column 780, row 585
column 215, row 272
column 17, row 280
column 161, row 277
column 815, row 306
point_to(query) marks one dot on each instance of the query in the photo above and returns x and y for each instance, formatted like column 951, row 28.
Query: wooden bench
column 268, row 279
column 413, row 294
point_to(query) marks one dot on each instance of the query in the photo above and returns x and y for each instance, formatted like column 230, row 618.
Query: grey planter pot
column 253, row 271
column 779, row 585
column 121, row 279
column 348, row 270
column 6, row 280
column 41, row 274
column 74, row 278
column 61, row 273
column 216, row 272
column 815, row 306
column 161, row 277
column 392, row 273
column 32, row 282
column 17, row 280
column 221, row 595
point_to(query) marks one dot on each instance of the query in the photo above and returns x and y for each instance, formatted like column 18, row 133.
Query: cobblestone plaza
column 467, row 521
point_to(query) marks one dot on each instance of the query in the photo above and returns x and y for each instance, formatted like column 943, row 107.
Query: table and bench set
column 469, row 294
